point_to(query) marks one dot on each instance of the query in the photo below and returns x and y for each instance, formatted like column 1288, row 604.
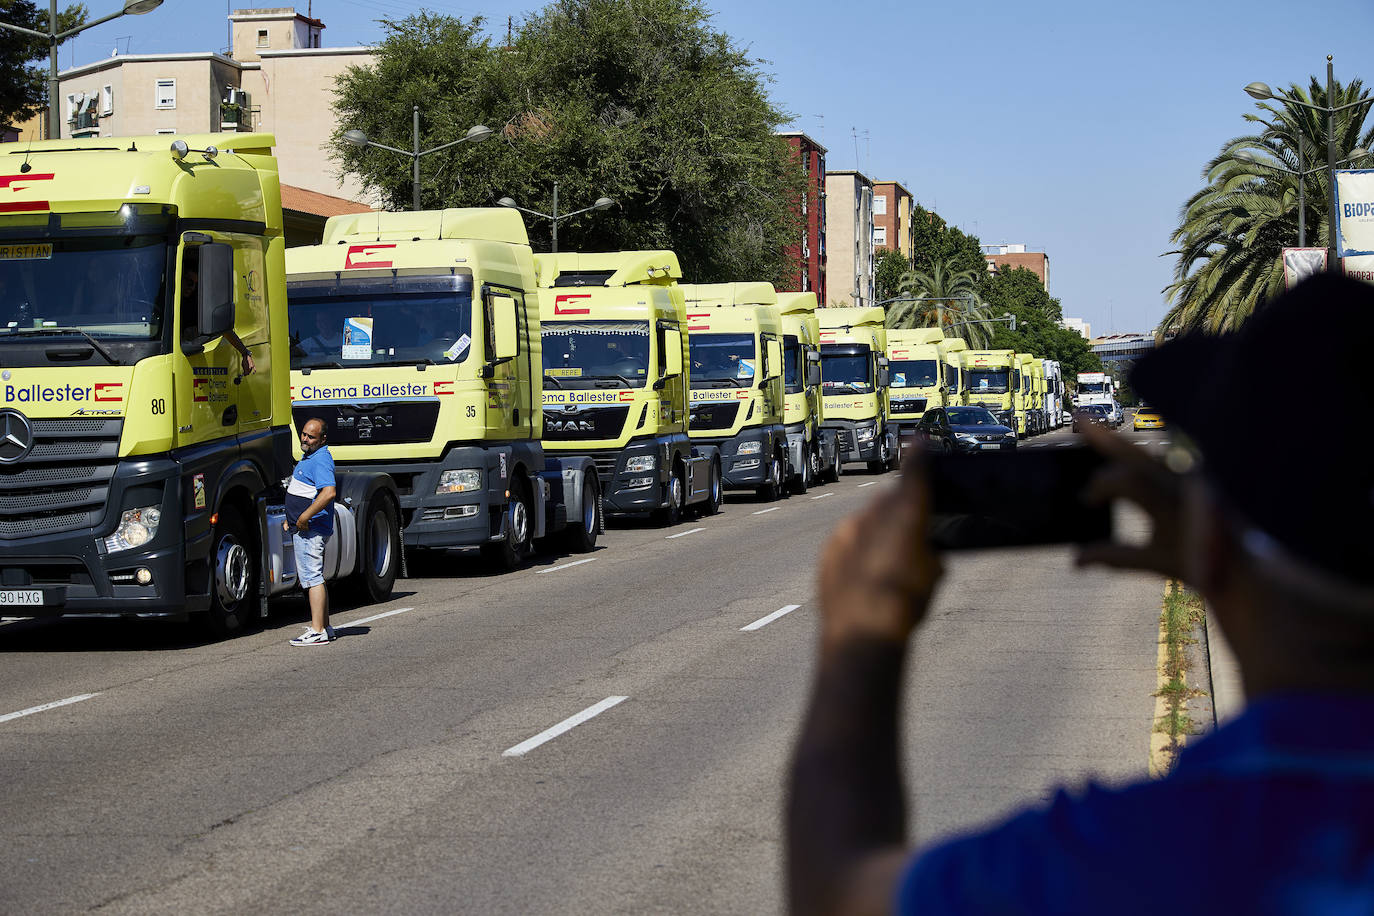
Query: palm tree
column 946, row 297
column 1232, row 233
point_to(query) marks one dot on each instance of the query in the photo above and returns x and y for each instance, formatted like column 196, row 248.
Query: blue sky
column 1075, row 127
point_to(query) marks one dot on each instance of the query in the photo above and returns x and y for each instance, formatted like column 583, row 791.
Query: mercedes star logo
column 16, row 436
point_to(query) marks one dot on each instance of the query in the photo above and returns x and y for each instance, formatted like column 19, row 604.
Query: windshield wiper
column 717, row 382
column 320, row 366
column 556, row 382
column 91, row 340
column 611, row 375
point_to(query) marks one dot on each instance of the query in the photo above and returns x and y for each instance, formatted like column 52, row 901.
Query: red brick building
column 808, row 254
column 1011, row 257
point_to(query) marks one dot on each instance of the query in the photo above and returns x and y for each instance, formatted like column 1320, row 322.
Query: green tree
column 1020, row 291
column 936, row 242
column 637, row 100
column 24, row 88
column 1231, row 233
column 943, row 297
column 892, row 266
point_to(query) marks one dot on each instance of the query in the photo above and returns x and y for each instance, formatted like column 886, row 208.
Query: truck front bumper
column 626, row 491
column 744, row 458
column 860, row 440
column 451, row 519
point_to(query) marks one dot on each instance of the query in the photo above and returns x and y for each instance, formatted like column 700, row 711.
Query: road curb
column 1163, row 748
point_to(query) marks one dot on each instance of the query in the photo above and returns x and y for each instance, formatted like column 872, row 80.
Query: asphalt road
column 402, row 768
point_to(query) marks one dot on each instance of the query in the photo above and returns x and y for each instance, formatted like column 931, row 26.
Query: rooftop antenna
column 854, row 132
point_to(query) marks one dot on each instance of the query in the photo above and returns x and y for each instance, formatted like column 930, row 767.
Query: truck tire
column 895, row 462
column 802, row 481
column 580, row 536
column 832, row 474
column 511, row 550
column 715, row 493
column 772, row 488
column 233, row 576
column 379, row 551
column 671, row 514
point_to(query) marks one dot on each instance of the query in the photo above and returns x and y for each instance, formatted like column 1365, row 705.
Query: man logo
column 16, row 437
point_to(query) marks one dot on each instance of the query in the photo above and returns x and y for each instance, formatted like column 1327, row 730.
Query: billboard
column 1301, row 263
column 1354, row 212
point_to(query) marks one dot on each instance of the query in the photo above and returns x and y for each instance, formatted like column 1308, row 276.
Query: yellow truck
column 616, row 384
column 812, row 451
column 916, row 368
column 994, row 382
column 734, row 337
column 416, row 338
column 854, row 374
column 1025, row 404
column 1039, row 416
column 952, row 351
column 141, row 463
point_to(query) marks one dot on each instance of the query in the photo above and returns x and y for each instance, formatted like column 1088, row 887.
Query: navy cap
column 1279, row 411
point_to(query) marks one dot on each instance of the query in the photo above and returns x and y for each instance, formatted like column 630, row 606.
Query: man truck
column 994, row 382
column 616, row 384
column 415, row 337
column 734, row 337
column 812, row 451
column 952, row 350
column 146, row 413
column 917, row 372
column 854, row 378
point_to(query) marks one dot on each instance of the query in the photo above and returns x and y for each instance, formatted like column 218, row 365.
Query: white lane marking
column 765, row 621
column 548, row 734
column 46, row 706
column 540, row 572
column 1065, row 445
column 1163, row 441
column 399, row 610
column 869, row 484
column 683, row 534
column 824, row 495
column 766, row 511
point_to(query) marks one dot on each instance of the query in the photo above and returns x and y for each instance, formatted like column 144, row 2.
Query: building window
column 880, row 234
column 262, row 38
column 879, row 205
column 71, row 107
column 107, row 100
column 166, row 96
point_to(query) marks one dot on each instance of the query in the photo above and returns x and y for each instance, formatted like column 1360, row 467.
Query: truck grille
column 562, row 425
column 714, row 416
column 908, row 405
column 64, row 482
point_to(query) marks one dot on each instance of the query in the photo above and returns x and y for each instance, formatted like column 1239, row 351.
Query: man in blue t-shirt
column 310, row 510
column 1271, row 813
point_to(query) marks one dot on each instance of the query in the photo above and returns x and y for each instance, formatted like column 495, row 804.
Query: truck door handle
column 515, row 418
column 231, row 415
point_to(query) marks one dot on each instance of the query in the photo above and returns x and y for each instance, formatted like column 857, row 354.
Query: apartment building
column 1011, row 257
column 893, row 208
column 278, row 77
column 808, row 253
column 849, row 238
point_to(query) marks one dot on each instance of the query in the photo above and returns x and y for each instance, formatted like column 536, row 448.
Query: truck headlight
column 864, row 433
column 136, row 528
column 641, row 463
column 465, row 480
column 749, row 448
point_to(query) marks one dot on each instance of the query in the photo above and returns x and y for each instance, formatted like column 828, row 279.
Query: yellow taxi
column 1148, row 418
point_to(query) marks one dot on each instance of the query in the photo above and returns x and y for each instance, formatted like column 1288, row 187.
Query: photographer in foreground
column 1272, row 813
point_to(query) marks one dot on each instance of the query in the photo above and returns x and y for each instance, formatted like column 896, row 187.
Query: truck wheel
column 233, row 576
column 580, row 536
column 832, row 475
column 716, row 493
column 518, row 543
column 895, row 461
column 772, row 489
column 671, row 514
column 802, row 482
column 379, row 551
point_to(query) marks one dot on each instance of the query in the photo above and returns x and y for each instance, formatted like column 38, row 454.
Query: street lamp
column 476, row 134
column 55, row 38
column 602, row 203
column 1262, row 92
column 1246, row 155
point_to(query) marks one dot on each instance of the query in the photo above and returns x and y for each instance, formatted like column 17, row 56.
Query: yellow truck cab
column 1025, row 403
column 994, row 379
column 812, row 452
column 735, row 342
column 415, row 338
column 142, row 462
column 917, row 372
column 615, row 380
column 854, row 373
column 952, row 351
column 1039, row 415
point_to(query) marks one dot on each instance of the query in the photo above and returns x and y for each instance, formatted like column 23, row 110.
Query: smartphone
column 1015, row 498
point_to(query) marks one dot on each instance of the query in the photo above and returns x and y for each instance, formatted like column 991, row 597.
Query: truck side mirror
column 813, row 369
column 503, row 328
column 774, row 359
column 884, row 378
column 215, row 297
column 672, row 352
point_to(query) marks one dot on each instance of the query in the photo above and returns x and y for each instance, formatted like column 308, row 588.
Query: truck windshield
column 992, row 381
column 109, row 288
column 914, row 373
column 846, row 369
column 792, row 362
column 380, row 321
column 581, row 353
column 1094, row 387
column 722, row 357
